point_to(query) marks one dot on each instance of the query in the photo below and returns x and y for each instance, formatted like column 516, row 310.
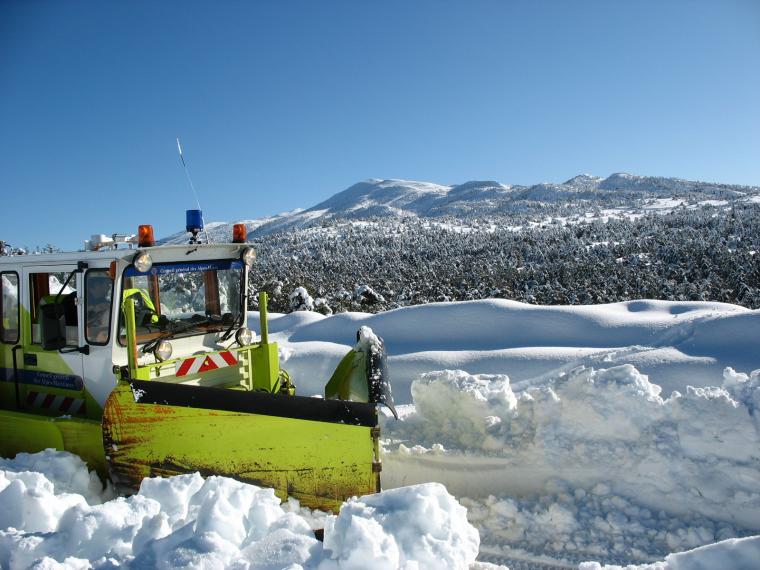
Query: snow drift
column 676, row 344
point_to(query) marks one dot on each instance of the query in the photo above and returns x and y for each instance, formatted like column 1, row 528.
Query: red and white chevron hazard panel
column 204, row 363
column 55, row 403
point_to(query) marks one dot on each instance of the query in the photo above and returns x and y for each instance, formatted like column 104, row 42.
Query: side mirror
column 53, row 326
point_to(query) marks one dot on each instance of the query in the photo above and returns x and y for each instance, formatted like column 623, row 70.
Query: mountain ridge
column 387, row 198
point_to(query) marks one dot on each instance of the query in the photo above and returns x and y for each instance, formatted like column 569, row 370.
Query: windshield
column 183, row 299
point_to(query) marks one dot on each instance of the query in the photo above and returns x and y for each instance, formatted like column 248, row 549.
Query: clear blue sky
column 281, row 104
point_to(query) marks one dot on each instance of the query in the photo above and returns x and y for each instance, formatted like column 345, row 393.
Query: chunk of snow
column 422, row 524
column 188, row 522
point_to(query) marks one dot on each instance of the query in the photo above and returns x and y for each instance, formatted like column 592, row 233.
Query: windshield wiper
column 236, row 323
column 178, row 327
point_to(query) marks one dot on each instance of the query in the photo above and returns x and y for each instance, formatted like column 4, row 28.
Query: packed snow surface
column 732, row 554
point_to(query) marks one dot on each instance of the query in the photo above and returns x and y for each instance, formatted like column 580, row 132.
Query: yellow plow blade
column 318, row 451
column 28, row 432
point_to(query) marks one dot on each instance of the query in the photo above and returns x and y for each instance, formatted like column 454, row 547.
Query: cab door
column 101, row 316
column 52, row 380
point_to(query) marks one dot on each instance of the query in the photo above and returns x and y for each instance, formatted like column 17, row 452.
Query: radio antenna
column 192, row 186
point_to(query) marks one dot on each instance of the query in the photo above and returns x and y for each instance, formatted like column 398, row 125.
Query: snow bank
column 591, row 462
column 675, row 343
column 50, row 515
column 614, row 432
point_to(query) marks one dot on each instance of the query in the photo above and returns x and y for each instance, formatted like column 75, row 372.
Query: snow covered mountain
column 404, row 198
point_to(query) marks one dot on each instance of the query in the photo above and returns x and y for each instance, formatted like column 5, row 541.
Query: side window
column 98, row 295
column 9, row 307
column 58, row 288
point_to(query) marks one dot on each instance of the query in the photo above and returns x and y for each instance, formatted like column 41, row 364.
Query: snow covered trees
column 690, row 254
column 8, row 249
column 300, row 300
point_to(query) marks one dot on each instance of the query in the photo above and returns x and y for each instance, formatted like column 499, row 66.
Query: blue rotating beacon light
column 194, row 224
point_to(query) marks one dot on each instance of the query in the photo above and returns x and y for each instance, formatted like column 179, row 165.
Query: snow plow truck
column 138, row 358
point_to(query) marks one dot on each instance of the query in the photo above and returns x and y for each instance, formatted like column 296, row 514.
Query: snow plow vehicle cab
column 139, row 360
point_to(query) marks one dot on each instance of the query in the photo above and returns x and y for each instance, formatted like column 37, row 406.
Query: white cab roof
column 160, row 254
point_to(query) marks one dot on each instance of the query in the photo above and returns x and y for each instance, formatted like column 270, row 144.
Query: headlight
column 163, row 350
column 244, row 336
column 248, row 256
column 143, row 262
